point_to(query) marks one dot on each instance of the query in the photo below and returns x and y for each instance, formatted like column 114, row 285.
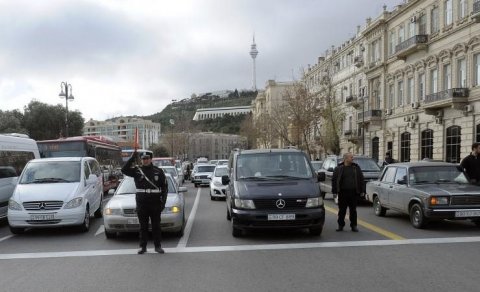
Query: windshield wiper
column 254, row 178
column 441, row 180
column 422, row 182
column 287, row 176
column 49, row 179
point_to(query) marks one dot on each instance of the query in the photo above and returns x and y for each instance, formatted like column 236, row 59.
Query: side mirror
column 111, row 192
column 225, row 180
column 402, row 181
column 330, row 169
column 91, row 179
column 321, row 176
column 182, row 189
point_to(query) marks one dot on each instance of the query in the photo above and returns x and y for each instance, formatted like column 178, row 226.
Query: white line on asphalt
column 100, row 230
column 6, row 237
column 186, row 233
column 89, row 253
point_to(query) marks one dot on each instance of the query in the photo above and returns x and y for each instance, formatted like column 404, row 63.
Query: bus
column 127, row 153
column 15, row 151
column 105, row 150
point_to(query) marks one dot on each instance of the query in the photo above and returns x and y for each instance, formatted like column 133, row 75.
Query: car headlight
column 244, row 204
column 217, row 183
column 314, row 202
column 434, row 201
column 110, row 211
column 12, row 205
column 173, row 209
column 74, row 203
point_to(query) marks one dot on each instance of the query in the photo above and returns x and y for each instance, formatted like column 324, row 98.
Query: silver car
column 172, row 170
column 425, row 191
column 120, row 212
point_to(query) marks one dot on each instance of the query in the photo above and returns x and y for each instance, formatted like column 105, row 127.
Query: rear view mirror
column 91, row 179
column 182, row 189
column 321, row 176
column 225, row 180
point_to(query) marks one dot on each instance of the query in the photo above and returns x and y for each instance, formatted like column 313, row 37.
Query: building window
column 375, row 148
column 405, row 147
column 421, row 86
column 478, row 133
column 434, row 81
column 411, row 29
column 422, row 25
column 477, row 69
column 409, row 90
column 462, row 9
column 453, row 140
column 462, row 73
column 400, row 93
column 447, row 77
column 435, row 27
column 448, row 12
column 391, row 96
column 391, row 43
column 401, row 34
column 427, row 144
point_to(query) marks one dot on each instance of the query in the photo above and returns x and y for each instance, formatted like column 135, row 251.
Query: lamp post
column 172, row 122
column 66, row 92
column 363, row 125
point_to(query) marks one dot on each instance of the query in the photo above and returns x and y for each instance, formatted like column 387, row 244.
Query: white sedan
column 120, row 213
column 217, row 190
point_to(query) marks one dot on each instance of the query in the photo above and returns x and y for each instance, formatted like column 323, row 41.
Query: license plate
column 132, row 221
column 40, row 217
column 473, row 213
column 281, row 217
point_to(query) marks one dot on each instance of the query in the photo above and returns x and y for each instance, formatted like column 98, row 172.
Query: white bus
column 15, row 151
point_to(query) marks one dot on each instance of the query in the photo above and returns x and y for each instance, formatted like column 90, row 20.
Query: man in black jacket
column 151, row 196
column 471, row 164
column 348, row 183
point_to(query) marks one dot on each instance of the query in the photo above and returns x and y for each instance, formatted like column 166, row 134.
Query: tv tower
column 253, row 54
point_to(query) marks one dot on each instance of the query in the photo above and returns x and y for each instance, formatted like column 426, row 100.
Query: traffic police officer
column 151, row 196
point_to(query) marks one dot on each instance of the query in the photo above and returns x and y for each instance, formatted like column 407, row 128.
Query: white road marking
column 188, row 228
column 6, row 237
column 89, row 253
column 100, row 230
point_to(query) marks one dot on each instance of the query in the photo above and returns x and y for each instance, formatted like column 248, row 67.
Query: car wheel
column 235, row 231
column 99, row 212
column 212, row 198
column 110, row 234
column 182, row 229
column 16, row 230
column 316, row 231
column 86, row 221
column 417, row 218
column 377, row 207
column 196, row 185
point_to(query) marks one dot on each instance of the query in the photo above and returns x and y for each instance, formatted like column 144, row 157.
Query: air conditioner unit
column 468, row 108
column 415, row 105
column 439, row 114
column 406, row 119
column 388, row 111
column 438, row 120
column 414, row 118
column 411, row 125
column 413, row 19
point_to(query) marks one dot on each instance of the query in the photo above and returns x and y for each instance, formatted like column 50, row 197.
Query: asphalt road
column 387, row 254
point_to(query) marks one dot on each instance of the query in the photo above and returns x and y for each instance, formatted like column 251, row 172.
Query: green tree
column 12, row 122
column 159, row 150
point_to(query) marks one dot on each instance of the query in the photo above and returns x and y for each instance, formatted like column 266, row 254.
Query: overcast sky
column 133, row 57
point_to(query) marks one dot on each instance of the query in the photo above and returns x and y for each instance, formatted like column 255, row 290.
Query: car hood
column 288, row 188
column 47, row 192
column 371, row 175
column 127, row 201
column 449, row 189
column 204, row 173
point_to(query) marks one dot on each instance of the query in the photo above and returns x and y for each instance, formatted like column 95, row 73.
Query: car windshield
column 437, row 175
column 162, row 162
column 317, row 165
column 221, row 171
column 170, row 170
column 51, row 172
column 128, row 186
column 367, row 164
column 273, row 165
column 205, row 168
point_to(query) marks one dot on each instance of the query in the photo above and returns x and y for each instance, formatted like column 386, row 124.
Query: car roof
column 421, row 163
column 54, row 159
column 254, row 151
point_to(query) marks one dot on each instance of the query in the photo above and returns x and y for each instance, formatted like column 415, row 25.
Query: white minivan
column 52, row 192
column 15, row 151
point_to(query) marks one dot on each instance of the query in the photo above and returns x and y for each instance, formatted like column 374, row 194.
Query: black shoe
column 142, row 250
column 340, row 228
column 159, row 250
column 354, row 229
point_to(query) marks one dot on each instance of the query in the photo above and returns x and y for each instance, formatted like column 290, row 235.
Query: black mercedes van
column 273, row 188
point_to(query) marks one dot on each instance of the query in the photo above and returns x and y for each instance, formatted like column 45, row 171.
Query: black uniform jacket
column 471, row 165
column 337, row 179
column 155, row 175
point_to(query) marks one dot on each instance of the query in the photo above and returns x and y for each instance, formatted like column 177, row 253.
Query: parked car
column 120, row 213
column 369, row 167
column 179, row 166
column 217, row 189
column 222, row 162
column 317, row 165
column 273, row 188
column 172, row 170
column 163, row 161
column 202, row 174
column 54, row 192
column 425, row 191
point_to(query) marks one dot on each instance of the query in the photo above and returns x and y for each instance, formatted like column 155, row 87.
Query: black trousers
column 146, row 211
column 347, row 199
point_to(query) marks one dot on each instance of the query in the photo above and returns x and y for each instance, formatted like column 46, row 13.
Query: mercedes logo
column 41, row 206
column 280, row 203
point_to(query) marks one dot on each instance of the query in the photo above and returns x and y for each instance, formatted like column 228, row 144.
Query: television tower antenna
column 253, row 54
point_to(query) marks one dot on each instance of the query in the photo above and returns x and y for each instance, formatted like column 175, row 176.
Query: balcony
column 454, row 98
column 413, row 44
column 353, row 135
column 476, row 11
column 369, row 116
column 353, row 101
column 358, row 61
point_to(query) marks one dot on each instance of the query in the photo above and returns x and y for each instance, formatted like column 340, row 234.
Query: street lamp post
column 172, row 123
column 363, row 125
column 66, row 92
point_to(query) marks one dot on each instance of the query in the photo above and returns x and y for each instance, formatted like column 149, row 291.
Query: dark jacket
column 471, row 165
column 155, row 175
column 337, row 179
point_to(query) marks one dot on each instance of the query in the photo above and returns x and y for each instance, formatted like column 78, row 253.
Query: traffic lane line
column 374, row 228
column 188, row 228
column 6, row 237
column 233, row 248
